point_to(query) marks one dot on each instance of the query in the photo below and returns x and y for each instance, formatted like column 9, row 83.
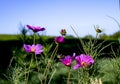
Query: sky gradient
column 54, row 15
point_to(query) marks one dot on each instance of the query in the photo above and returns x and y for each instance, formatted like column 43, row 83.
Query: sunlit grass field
column 4, row 37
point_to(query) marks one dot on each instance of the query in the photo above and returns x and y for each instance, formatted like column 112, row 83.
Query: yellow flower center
column 82, row 63
column 32, row 49
column 85, row 64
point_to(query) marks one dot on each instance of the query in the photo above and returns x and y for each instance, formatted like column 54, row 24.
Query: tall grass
column 46, row 68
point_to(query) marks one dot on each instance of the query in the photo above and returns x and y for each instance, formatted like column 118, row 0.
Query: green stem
column 34, row 38
column 29, row 69
column 79, row 78
column 86, row 76
column 50, row 62
column 52, row 74
column 25, row 73
column 37, row 67
column 69, row 73
column 52, row 57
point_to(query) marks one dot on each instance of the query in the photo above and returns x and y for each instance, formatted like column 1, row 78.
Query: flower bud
column 59, row 39
column 63, row 32
column 98, row 30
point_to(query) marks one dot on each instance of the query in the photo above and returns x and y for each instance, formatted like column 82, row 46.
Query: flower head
column 97, row 29
column 63, row 32
column 37, row 49
column 67, row 61
column 83, row 61
column 35, row 28
column 59, row 39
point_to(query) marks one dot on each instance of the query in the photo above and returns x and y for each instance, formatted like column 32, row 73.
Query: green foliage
column 114, row 36
column 109, row 70
column 45, row 68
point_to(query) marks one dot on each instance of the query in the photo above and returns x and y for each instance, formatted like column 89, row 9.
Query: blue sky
column 57, row 14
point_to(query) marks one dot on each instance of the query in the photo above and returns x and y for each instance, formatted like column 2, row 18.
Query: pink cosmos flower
column 67, row 61
column 83, row 61
column 35, row 28
column 59, row 39
column 37, row 49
